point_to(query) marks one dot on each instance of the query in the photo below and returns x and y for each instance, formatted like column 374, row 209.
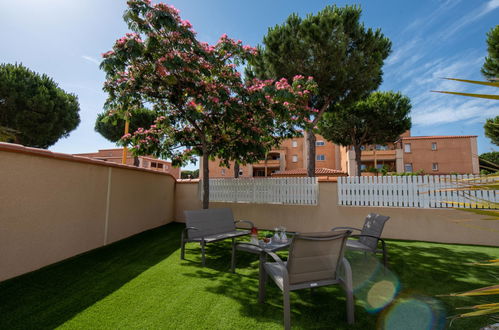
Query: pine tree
column 334, row 48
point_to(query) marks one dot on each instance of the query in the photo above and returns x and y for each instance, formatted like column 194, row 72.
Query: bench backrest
column 209, row 222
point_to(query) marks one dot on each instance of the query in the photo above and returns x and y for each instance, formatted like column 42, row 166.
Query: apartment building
column 432, row 154
column 290, row 156
column 148, row 162
column 440, row 154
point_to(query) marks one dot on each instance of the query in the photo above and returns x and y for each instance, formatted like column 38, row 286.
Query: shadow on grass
column 423, row 270
column 52, row 295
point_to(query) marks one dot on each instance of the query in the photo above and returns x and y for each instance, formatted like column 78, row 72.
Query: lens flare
column 375, row 286
column 414, row 312
column 381, row 294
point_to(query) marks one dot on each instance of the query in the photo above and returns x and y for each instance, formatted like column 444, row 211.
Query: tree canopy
column 332, row 46
column 489, row 162
column 34, row 111
column 203, row 106
column 490, row 68
column 492, row 130
column 377, row 119
column 113, row 130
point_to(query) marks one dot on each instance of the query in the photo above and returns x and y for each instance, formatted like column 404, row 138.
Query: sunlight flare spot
column 381, row 294
column 414, row 313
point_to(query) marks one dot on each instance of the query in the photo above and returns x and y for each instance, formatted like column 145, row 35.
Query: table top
column 270, row 247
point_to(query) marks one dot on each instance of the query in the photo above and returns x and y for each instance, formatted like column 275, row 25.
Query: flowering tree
column 204, row 108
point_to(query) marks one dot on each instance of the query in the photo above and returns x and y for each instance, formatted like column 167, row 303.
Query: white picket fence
column 415, row 191
column 289, row 191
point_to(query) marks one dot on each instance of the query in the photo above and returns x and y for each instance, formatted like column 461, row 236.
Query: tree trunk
column 206, row 180
column 311, row 153
column 236, row 169
column 358, row 154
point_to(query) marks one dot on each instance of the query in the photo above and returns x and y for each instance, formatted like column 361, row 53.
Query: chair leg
column 287, row 309
column 233, row 259
column 182, row 248
column 203, row 257
column 350, row 307
column 262, row 283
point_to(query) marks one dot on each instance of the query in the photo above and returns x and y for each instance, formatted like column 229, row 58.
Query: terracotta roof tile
column 303, row 171
column 437, row 137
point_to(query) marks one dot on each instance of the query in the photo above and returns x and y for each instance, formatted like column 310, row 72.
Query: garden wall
column 55, row 206
column 434, row 225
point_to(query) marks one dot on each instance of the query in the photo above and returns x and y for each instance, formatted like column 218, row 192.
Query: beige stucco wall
column 52, row 209
column 435, row 225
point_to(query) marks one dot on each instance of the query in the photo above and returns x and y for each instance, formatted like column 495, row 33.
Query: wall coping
column 12, row 147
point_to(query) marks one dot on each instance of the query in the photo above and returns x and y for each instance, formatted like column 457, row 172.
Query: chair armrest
column 277, row 259
column 245, row 221
column 383, row 244
column 364, row 235
column 346, row 228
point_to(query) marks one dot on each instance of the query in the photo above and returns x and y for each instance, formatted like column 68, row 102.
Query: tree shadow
column 48, row 297
column 428, row 270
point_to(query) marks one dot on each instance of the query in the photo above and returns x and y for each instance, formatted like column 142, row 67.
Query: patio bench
column 208, row 226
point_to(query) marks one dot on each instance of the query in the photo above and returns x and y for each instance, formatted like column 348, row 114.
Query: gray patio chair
column 369, row 235
column 315, row 259
column 208, row 226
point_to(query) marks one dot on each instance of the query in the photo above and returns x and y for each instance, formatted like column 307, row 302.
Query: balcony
column 270, row 163
column 379, row 155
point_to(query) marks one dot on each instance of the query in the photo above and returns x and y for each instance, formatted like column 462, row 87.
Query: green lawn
column 141, row 283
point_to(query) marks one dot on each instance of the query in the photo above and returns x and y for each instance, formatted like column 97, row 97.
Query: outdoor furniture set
column 314, row 259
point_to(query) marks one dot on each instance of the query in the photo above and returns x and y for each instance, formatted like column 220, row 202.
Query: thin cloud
column 90, row 59
column 420, row 24
column 431, row 109
column 470, row 18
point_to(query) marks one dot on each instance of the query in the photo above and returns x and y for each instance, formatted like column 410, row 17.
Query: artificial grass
column 140, row 283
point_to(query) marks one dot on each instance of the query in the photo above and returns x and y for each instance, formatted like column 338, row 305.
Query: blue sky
column 431, row 39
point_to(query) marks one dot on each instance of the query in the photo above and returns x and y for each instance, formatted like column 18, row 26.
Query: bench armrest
column 185, row 231
column 245, row 221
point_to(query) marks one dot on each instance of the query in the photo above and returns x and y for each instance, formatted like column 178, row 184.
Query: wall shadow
column 48, row 297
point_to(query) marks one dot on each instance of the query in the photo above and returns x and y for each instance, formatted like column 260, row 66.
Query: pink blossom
column 106, row 54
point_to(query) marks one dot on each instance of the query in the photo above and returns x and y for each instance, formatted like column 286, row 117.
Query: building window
column 381, row 147
column 433, row 146
column 294, row 144
column 434, row 166
column 160, row 165
column 408, row 167
column 362, row 148
column 222, row 171
column 407, row 147
column 241, row 173
column 154, row 164
column 363, row 167
column 295, row 158
column 319, row 143
column 321, row 157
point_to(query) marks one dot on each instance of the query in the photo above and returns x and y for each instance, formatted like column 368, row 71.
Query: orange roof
column 303, row 171
column 436, row 137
